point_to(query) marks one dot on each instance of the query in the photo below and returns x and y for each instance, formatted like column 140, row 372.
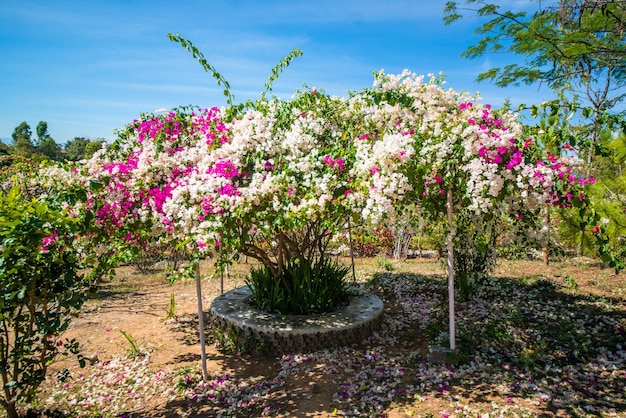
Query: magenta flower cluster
column 336, row 163
column 49, row 241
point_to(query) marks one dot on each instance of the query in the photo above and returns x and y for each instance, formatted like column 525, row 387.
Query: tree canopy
column 80, row 148
column 22, row 131
column 45, row 147
column 42, row 132
column 572, row 44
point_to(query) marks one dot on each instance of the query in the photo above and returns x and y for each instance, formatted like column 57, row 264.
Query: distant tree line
column 44, row 147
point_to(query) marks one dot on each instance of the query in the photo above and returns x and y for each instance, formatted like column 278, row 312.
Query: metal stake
column 451, row 270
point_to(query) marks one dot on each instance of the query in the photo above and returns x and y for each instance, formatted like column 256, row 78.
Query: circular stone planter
column 255, row 330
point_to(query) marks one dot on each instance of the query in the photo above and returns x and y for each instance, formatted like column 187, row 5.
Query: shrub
column 39, row 264
column 303, row 288
column 371, row 243
column 474, row 251
column 148, row 257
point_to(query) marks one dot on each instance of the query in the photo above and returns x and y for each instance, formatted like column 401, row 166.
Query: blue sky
column 89, row 67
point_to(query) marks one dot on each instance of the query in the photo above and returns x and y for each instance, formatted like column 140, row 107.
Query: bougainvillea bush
column 278, row 179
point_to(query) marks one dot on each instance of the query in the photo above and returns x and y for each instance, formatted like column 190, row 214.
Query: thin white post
column 451, row 271
column 205, row 374
column 351, row 250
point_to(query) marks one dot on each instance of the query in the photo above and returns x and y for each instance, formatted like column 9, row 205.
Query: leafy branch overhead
column 221, row 81
column 279, row 68
column 571, row 42
column 197, row 54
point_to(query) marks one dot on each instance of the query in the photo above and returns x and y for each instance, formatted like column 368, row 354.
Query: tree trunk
column 10, row 409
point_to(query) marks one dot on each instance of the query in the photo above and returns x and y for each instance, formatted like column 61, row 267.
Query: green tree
column 42, row 132
column 92, row 147
column 22, row 140
column 81, row 148
column 569, row 41
column 50, row 149
column 22, row 131
column 610, row 191
column 23, row 147
column 75, row 148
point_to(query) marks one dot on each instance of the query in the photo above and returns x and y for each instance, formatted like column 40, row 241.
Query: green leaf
column 534, row 111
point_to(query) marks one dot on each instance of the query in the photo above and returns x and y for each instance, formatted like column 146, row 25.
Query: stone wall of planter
column 251, row 330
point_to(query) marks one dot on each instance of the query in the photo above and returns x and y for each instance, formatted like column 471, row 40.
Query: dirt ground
column 137, row 303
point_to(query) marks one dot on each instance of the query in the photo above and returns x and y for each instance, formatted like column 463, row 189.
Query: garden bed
column 233, row 315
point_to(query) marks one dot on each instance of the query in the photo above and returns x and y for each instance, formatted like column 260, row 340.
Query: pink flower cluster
column 137, row 184
column 437, row 183
column 206, row 122
column 158, row 197
column 508, row 155
column 119, row 168
column 49, row 241
column 336, row 163
column 209, row 125
column 563, row 171
column 224, row 168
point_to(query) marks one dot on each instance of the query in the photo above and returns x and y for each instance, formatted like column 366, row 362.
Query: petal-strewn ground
column 533, row 341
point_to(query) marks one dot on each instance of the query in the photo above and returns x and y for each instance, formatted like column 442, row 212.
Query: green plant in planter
column 303, row 288
column 41, row 290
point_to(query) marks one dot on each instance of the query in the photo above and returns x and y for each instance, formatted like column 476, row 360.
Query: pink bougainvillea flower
column 49, row 241
column 528, row 142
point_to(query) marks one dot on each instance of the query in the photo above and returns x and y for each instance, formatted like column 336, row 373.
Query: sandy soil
column 137, row 303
